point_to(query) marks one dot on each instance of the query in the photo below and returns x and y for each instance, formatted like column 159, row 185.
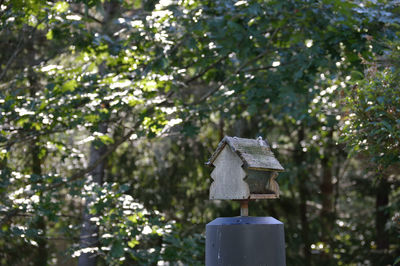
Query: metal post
column 249, row 241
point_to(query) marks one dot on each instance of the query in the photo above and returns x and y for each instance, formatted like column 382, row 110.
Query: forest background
column 109, row 110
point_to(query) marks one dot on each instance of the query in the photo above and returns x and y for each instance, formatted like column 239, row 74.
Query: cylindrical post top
column 250, row 241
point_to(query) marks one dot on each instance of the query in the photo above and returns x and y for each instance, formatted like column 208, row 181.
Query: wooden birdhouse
column 245, row 169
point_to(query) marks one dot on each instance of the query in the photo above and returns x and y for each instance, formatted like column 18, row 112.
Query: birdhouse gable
column 228, row 177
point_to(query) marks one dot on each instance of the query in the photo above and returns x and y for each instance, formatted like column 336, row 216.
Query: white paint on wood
column 228, row 176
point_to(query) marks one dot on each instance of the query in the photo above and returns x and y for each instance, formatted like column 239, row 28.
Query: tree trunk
column 41, row 256
column 89, row 237
column 299, row 158
column 327, row 188
column 39, row 223
column 221, row 126
column 382, row 215
column 304, row 224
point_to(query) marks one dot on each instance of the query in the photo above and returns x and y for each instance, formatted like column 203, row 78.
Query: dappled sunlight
column 109, row 110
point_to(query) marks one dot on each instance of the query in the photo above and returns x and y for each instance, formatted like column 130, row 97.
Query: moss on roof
column 254, row 153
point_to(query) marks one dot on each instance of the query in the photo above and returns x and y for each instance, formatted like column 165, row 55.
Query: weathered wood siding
column 228, row 176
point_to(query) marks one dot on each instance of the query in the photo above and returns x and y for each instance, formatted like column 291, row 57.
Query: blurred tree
column 372, row 127
column 146, row 89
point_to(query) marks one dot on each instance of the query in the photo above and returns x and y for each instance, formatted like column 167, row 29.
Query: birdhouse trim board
column 244, row 169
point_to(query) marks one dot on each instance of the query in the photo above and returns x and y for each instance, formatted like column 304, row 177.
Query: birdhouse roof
column 254, row 153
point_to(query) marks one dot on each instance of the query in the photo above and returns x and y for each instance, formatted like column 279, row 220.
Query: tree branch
column 91, row 167
column 255, row 69
column 12, row 57
column 244, row 65
column 17, row 50
column 32, row 214
column 204, row 71
column 15, row 212
column 88, row 16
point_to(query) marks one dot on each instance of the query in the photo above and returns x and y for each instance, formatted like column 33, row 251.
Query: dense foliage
column 109, row 109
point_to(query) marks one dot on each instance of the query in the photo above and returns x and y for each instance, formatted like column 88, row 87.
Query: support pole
column 245, row 241
column 244, row 208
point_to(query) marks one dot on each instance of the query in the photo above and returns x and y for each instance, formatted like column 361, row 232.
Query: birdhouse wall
column 228, row 176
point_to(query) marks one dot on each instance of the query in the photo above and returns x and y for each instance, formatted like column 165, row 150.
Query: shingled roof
column 255, row 153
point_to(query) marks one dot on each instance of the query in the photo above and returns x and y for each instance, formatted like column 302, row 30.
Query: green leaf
column 117, row 249
column 387, row 125
column 133, row 242
column 69, row 85
column 356, row 75
column 49, row 35
column 61, row 6
column 106, row 139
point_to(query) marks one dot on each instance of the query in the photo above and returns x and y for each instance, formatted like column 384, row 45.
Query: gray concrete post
column 245, row 241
